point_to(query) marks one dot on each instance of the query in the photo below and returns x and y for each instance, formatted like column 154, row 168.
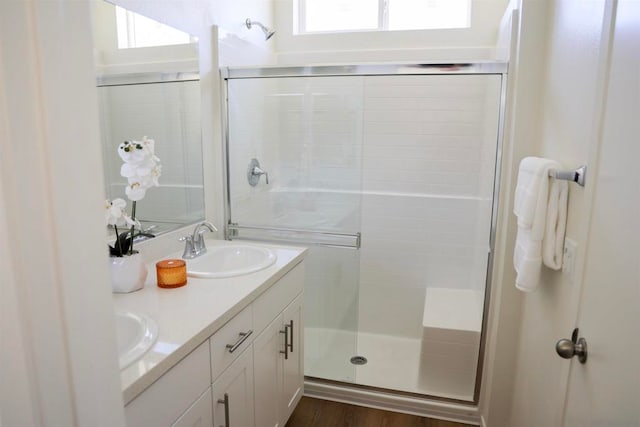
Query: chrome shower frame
column 366, row 395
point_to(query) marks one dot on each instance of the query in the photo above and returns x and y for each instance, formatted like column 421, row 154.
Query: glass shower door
column 295, row 175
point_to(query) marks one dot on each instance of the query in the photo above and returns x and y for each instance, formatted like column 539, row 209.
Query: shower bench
column 451, row 325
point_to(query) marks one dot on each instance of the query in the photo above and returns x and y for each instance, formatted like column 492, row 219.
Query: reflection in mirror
column 149, row 86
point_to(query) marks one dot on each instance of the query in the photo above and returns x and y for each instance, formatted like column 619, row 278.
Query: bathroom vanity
column 229, row 350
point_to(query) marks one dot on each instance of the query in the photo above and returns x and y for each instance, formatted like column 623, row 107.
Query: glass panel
column 170, row 114
column 406, row 160
column 429, row 151
column 307, row 135
column 340, row 15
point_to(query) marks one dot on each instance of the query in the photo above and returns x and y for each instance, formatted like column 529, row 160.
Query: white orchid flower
column 149, row 147
column 141, row 167
column 129, row 170
column 134, row 152
column 115, row 213
column 135, row 190
column 155, row 174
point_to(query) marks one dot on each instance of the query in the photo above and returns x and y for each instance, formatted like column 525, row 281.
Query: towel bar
column 576, row 175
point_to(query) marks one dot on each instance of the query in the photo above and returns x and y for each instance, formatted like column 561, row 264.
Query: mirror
column 148, row 85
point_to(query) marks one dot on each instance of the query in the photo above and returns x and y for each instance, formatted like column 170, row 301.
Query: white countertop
column 188, row 315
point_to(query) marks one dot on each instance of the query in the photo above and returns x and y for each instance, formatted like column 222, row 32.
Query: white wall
column 556, row 95
column 477, row 42
column 523, row 43
column 572, row 95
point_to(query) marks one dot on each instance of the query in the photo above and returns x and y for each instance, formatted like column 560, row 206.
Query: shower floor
column 392, row 363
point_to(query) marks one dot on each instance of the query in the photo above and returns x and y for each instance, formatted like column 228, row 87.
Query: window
column 139, row 31
column 316, row 16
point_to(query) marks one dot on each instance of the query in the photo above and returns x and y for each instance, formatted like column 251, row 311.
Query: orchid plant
column 142, row 169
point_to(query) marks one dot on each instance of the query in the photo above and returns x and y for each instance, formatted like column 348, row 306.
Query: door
column 293, row 368
column 306, row 136
column 605, row 391
column 267, row 367
column 233, row 393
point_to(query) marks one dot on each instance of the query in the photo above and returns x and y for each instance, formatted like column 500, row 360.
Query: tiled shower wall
column 407, row 160
column 428, row 164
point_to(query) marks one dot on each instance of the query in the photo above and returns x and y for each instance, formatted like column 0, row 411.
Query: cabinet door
column 233, row 393
column 293, row 370
column 267, row 367
column 200, row 414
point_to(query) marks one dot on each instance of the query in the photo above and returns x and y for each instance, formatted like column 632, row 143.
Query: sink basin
column 135, row 334
column 229, row 261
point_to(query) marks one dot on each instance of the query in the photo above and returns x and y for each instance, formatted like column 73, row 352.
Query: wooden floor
column 323, row 413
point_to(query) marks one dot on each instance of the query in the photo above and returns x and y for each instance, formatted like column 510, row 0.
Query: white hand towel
column 531, row 205
column 556, row 222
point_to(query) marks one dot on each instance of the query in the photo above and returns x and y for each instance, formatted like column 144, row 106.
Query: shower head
column 268, row 32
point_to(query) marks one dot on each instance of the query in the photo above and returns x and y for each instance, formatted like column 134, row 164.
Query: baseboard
column 441, row 410
column 483, row 423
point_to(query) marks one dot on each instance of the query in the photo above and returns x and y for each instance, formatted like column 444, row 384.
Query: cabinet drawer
column 271, row 303
column 166, row 399
column 231, row 340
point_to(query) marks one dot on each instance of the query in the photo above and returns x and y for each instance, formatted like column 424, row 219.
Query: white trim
column 212, row 143
column 441, row 410
column 51, row 173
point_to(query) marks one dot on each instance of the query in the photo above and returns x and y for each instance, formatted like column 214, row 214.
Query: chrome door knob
column 573, row 347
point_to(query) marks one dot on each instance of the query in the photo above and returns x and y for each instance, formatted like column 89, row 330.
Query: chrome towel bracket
column 577, row 175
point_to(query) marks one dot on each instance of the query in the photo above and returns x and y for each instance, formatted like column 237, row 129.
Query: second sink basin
column 229, row 261
column 135, row 335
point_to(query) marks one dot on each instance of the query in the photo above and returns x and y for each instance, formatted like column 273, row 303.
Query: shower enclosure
column 388, row 174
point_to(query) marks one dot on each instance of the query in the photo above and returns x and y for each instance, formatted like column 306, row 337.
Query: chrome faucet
column 194, row 244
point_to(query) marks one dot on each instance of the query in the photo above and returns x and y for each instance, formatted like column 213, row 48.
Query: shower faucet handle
column 257, row 171
column 254, row 172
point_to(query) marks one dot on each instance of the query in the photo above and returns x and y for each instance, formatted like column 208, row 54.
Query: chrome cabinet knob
column 573, row 347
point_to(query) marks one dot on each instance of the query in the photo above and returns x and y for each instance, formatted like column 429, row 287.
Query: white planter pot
column 128, row 273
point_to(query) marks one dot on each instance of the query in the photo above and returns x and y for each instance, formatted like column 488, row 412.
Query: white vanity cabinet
column 248, row 373
column 278, row 350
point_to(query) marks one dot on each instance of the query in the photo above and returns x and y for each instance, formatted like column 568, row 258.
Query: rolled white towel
column 531, row 206
column 556, row 222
